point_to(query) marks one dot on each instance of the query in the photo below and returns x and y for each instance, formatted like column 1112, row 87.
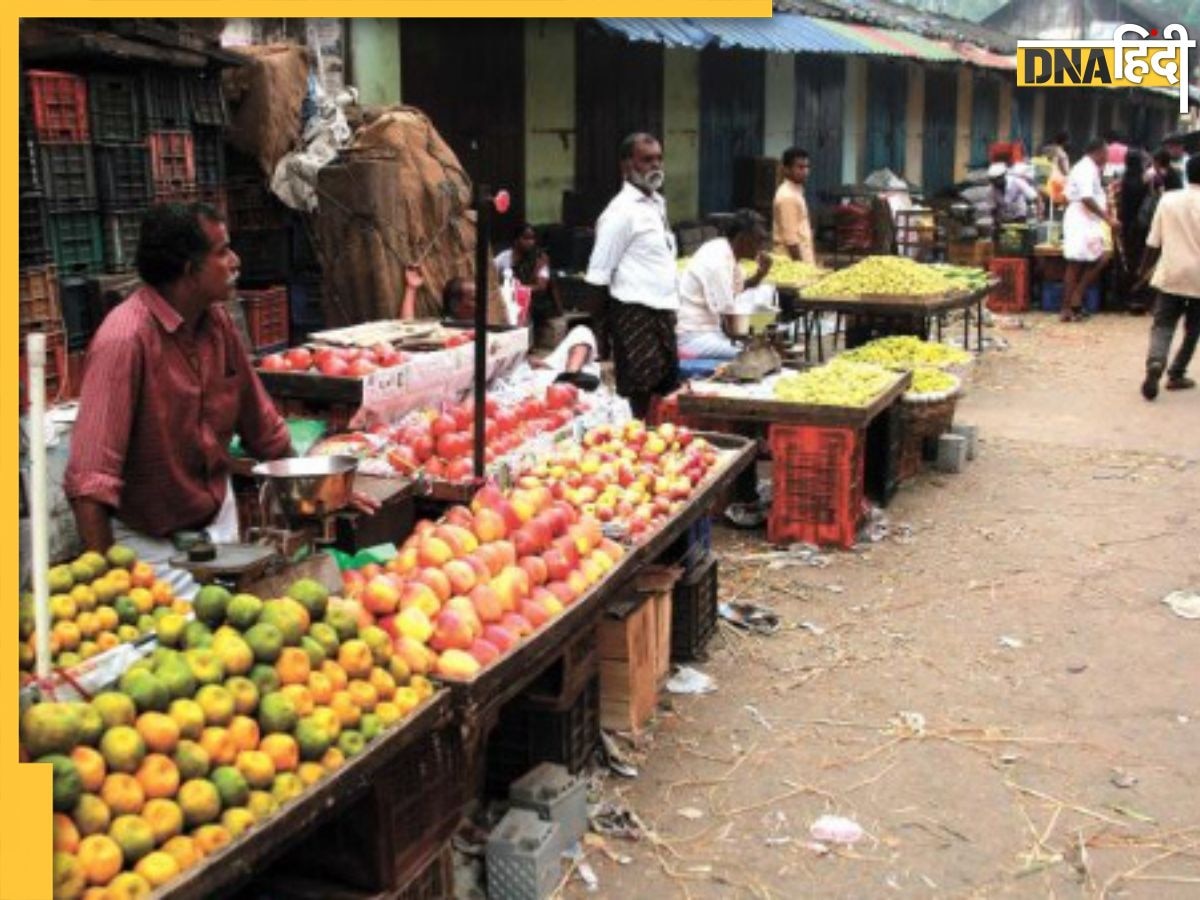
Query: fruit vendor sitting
column 167, row 385
column 711, row 283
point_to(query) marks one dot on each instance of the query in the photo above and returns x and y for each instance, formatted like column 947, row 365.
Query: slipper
column 749, row 617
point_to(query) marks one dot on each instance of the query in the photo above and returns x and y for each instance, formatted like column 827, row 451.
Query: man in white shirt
column 634, row 257
column 1011, row 195
column 792, row 228
column 1173, row 252
column 711, row 283
column 1087, row 225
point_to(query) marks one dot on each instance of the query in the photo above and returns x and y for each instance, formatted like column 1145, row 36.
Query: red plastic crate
column 1012, row 293
column 817, row 476
column 60, row 107
column 38, row 295
column 56, row 366
column 172, row 160
column 266, row 314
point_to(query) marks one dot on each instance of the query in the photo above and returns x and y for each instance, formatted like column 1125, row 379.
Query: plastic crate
column 1012, row 293
column 254, row 208
column 209, row 146
column 817, row 476
column 38, row 296
column 172, row 160
column 34, row 229
column 59, row 102
column 694, row 610
column 527, row 734
column 266, row 314
column 165, row 100
column 1052, row 297
column 121, row 233
column 116, row 107
column 30, row 180
column 56, row 364
column 207, row 100
column 123, row 173
column 68, row 176
column 559, row 684
column 77, row 241
column 1018, row 241
column 75, row 301
column 692, row 546
column 185, row 194
column 264, row 254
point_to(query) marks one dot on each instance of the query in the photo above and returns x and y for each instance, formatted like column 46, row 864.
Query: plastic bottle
column 508, row 295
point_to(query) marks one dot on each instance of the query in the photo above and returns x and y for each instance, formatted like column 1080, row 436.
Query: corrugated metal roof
column 782, row 33
column 889, row 42
column 980, row 57
column 669, row 32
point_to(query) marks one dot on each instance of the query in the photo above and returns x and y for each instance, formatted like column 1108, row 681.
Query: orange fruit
column 336, row 674
column 345, row 709
column 107, row 617
column 311, row 772
column 222, row 749
column 333, row 759
column 363, row 694
column 320, row 688
column 354, row 656
column 142, row 599
column 256, row 767
column 158, row 776
column 211, row 838
column 101, row 858
column 95, row 892
column 69, row 880
column 237, row 820
column 128, row 886
column 133, row 836
column 184, row 849
column 245, row 732
column 189, row 716
column 283, row 751
column 162, row 593
column 66, row 635
column 123, row 794
column 157, row 868
column 66, row 835
column 165, row 818
column 300, row 696
column 159, row 731
column 90, row 766
column 293, row 666
column 91, row 815
column 106, row 640
column 383, row 682
column 141, row 575
column 199, row 801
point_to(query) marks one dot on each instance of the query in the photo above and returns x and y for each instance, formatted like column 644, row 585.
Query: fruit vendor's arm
column 614, row 232
column 94, row 477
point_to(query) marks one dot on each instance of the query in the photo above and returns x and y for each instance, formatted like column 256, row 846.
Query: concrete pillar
column 375, row 60
column 914, row 124
column 1039, row 121
column 549, row 116
column 681, row 132
column 1004, row 126
column 779, row 130
column 962, row 122
column 854, row 119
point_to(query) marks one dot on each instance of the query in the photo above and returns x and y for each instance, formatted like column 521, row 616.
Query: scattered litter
column 812, row 628
column 1076, row 668
column 758, row 717
column 1185, row 604
column 777, row 841
column 835, row 588
column 687, row 680
column 912, row 722
column 615, row 758
column 1011, row 643
column 875, row 528
column 746, row 515
column 691, row 813
column 1123, row 779
column 817, row 847
column 608, row 819
column 794, row 555
column 836, row 830
column 1182, row 720
column 582, row 868
column 1009, row 758
column 750, row 617
column 892, row 882
column 929, row 882
column 1133, row 814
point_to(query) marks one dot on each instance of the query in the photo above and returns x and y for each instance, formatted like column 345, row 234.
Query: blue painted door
column 1022, row 119
column 985, row 117
column 937, row 144
column 820, row 99
column 732, row 85
column 887, row 111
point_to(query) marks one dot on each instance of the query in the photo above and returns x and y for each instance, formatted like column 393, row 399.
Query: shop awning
column 888, row 42
column 978, row 56
column 668, row 32
column 782, row 33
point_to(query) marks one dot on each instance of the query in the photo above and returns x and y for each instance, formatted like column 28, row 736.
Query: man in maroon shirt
column 167, row 385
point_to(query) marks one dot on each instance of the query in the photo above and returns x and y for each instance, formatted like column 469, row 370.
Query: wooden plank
column 662, row 637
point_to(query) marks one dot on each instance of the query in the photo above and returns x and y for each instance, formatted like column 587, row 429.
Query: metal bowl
column 309, row 487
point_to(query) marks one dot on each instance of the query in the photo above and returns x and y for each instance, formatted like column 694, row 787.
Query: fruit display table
column 239, row 862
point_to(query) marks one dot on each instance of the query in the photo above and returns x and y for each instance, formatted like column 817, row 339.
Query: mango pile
column 904, row 352
column 841, row 382
column 928, row 380
column 896, row 276
column 96, row 602
column 234, row 715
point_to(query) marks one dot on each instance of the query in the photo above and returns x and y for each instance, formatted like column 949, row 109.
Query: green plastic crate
column 78, row 242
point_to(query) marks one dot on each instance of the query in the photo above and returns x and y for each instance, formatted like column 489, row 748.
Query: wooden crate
column 628, row 665
column 657, row 583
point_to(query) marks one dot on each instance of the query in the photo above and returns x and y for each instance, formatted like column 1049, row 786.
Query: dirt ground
column 1055, row 746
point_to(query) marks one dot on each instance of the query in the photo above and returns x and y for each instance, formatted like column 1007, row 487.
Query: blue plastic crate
column 1052, row 294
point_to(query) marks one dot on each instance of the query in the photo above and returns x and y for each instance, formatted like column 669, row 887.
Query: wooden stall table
column 834, row 465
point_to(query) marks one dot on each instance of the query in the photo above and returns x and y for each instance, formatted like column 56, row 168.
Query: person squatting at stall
column 634, row 258
column 167, row 385
column 711, row 283
column 1173, row 252
column 792, row 230
column 1085, row 247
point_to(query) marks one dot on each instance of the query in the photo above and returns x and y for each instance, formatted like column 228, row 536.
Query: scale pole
column 39, row 516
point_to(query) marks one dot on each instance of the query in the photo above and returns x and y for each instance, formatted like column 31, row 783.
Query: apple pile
column 466, row 590
column 441, row 443
column 334, row 362
column 630, row 474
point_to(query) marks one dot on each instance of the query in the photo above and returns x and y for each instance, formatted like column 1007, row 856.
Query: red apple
column 500, row 637
column 275, row 362
column 299, row 359
column 484, row 651
column 535, row 567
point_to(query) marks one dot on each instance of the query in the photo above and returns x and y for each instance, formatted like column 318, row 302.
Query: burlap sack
column 264, row 99
column 398, row 196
